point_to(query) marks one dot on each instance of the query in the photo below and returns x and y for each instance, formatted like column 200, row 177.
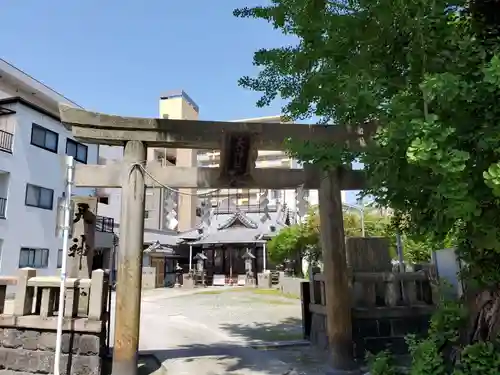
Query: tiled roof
column 240, row 217
column 165, row 238
column 241, row 227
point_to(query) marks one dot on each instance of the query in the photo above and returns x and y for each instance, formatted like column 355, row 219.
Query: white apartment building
column 33, row 143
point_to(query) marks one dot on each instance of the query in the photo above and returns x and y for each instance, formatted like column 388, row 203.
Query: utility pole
column 361, row 208
column 399, row 249
column 362, row 213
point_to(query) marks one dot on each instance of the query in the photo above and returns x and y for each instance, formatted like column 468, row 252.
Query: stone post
column 128, row 288
column 367, row 254
column 82, row 247
column 97, row 299
column 23, row 301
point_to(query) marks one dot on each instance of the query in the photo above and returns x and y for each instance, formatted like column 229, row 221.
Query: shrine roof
column 230, row 236
column 241, row 227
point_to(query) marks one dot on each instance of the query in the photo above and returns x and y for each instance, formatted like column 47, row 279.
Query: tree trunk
column 485, row 16
column 484, row 315
column 298, row 266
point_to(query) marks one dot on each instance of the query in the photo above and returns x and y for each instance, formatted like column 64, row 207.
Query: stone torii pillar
column 129, row 275
column 238, row 142
column 339, row 319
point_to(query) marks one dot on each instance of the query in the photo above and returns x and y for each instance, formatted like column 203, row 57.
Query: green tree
column 296, row 242
column 428, row 71
column 302, row 240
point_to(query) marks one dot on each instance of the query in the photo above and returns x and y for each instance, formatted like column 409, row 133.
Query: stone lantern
column 249, row 259
column 199, row 274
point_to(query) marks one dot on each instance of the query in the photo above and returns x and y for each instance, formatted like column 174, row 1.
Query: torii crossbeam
column 239, row 143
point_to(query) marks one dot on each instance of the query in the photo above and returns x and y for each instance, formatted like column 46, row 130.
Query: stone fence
column 290, row 285
column 28, row 328
column 385, row 308
column 386, row 304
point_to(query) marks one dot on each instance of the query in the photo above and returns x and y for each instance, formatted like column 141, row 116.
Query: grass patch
column 274, row 292
column 269, row 301
column 250, row 290
column 211, row 292
column 277, row 335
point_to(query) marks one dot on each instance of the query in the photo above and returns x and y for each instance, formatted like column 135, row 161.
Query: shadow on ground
column 274, row 339
column 214, row 359
column 287, row 330
column 148, row 364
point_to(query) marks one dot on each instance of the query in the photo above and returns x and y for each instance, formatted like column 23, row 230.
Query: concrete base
column 188, row 281
column 148, row 277
column 280, row 344
column 375, row 334
column 264, row 280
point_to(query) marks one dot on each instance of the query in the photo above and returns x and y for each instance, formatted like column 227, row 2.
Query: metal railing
column 6, row 141
column 105, row 224
column 3, row 207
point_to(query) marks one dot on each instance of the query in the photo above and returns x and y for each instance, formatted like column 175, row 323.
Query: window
column 103, row 200
column 40, row 197
column 77, row 150
column 59, row 258
column 33, row 258
column 44, row 138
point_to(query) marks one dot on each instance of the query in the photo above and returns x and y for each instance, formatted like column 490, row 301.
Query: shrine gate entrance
column 238, row 143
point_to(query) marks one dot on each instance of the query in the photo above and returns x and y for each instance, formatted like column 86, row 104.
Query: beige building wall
column 178, row 105
column 153, row 208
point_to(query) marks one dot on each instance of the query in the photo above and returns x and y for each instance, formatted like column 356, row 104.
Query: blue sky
column 119, row 56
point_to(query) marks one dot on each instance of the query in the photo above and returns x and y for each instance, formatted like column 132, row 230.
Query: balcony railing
column 104, row 224
column 3, row 207
column 6, row 141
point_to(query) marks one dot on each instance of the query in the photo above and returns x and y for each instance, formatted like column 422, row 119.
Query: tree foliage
column 428, row 71
column 303, row 241
column 295, row 241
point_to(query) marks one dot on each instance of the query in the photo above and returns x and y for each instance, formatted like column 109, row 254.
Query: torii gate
column 238, row 142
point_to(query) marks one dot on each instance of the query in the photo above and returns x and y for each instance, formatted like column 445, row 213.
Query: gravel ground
column 254, row 316
column 305, row 360
column 251, row 315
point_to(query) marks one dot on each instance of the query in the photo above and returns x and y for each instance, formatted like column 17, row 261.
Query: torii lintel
column 99, row 128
